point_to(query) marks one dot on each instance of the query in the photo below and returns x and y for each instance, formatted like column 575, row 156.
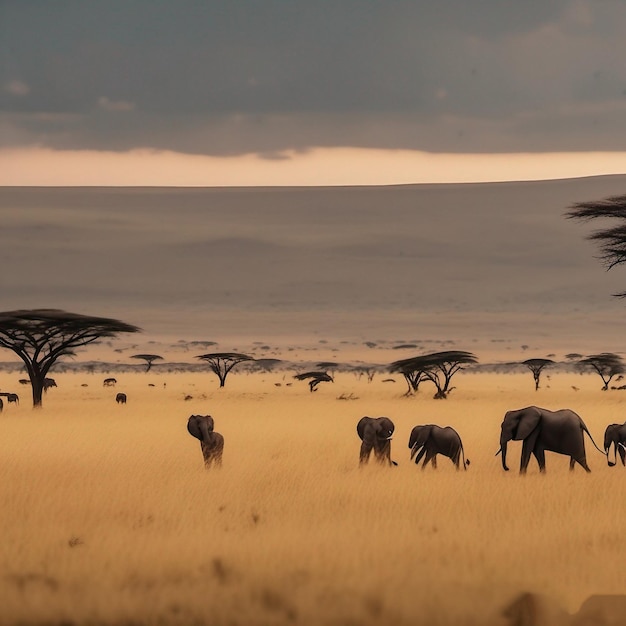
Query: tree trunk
column 37, row 385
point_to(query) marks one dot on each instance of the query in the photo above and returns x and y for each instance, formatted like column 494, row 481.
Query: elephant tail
column 592, row 441
column 465, row 462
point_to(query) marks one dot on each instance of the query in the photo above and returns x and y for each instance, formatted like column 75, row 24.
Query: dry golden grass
column 109, row 517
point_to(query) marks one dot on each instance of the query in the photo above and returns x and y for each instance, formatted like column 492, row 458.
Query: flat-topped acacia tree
column 222, row 362
column 536, row 366
column 148, row 358
column 41, row 336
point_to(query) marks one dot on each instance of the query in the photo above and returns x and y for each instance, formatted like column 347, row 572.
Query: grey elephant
column 211, row 443
column 615, row 434
column 375, row 434
column 431, row 440
column 540, row 429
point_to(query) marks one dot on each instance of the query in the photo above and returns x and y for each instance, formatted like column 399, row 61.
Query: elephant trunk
column 607, row 450
column 503, row 445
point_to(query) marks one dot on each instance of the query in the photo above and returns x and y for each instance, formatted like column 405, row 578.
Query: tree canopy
column 612, row 240
column 607, row 365
column 438, row 368
column 41, row 336
column 221, row 363
column 148, row 358
column 536, row 366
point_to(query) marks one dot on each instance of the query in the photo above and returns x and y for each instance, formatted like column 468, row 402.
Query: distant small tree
column 41, row 336
column 536, row 366
column 607, row 365
column 315, row 378
column 148, row 358
column 438, row 368
column 223, row 362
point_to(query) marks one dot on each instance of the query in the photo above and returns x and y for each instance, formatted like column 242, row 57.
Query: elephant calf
column 211, row 443
column 431, row 440
column 375, row 434
column 615, row 434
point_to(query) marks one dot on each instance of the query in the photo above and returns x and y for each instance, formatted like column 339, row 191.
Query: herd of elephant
column 540, row 430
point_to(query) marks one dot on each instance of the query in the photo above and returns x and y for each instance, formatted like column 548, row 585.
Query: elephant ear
column 529, row 420
column 193, row 427
column 360, row 427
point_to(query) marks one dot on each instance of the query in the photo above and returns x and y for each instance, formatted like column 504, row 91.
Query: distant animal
column 109, row 382
column 1, row 405
column 24, row 381
column 120, row 398
column 13, row 397
column 556, row 431
column 211, row 443
column 150, row 384
column 375, row 434
column 615, row 434
column 431, row 440
column 49, row 382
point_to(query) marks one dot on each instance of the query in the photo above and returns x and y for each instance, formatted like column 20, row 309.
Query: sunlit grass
column 108, row 515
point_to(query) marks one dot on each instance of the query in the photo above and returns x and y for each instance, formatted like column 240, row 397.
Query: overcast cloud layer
column 239, row 76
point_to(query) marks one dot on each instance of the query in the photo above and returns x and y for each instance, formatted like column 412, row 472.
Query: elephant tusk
column 498, row 452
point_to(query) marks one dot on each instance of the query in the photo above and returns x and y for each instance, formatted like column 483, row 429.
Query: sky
column 281, row 92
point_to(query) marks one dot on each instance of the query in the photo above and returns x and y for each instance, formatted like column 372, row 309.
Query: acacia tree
column 315, row 378
column 41, row 336
column 438, row 368
column 536, row 366
column 148, row 358
column 607, row 365
column 612, row 240
column 223, row 362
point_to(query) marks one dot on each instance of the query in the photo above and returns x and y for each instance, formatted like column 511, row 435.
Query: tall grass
column 108, row 516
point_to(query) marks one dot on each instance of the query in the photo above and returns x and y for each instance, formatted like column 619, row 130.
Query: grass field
column 108, row 516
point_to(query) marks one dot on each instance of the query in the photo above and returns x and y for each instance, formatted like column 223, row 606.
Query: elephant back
column 197, row 423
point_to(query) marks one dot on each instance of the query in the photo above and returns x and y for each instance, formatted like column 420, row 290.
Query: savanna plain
column 109, row 517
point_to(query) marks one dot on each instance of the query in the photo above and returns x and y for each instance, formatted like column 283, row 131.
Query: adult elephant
column 211, row 443
column 540, row 429
column 375, row 434
column 431, row 440
column 615, row 434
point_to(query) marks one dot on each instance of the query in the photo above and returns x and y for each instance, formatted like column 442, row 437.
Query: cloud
column 17, row 88
column 115, row 105
column 234, row 78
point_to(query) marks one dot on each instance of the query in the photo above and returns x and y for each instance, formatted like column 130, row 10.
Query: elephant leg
column 622, row 454
column 434, row 461
column 525, row 458
column 429, row 457
column 383, row 453
column 582, row 461
column 572, row 462
column 419, row 456
column 456, row 458
column 364, row 455
column 540, row 455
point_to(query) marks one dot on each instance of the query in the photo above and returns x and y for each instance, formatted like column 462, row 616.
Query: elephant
column 540, row 429
column 49, row 382
column 375, row 433
column 120, row 398
column 431, row 440
column 211, row 443
column 615, row 434
column 13, row 397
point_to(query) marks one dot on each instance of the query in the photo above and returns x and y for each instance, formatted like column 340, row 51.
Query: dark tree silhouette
column 223, row 362
column 413, row 371
column 41, row 336
column 315, row 378
column 612, row 240
column 438, row 368
column 148, row 358
column 536, row 366
column 607, row 365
